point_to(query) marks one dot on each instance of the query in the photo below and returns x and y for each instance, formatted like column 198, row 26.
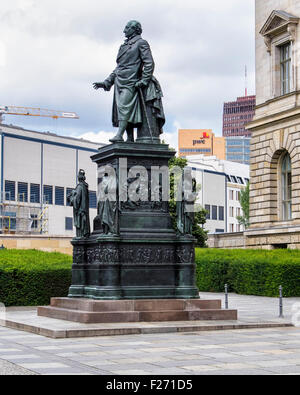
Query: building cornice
column 273, row 119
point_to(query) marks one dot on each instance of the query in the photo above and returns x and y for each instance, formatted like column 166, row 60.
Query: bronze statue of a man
column 137, row 93
column 79, row 199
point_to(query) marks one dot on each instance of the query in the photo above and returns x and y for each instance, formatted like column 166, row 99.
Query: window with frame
column 10, row 190
column 207, row 208
column 68, row 223
column 214, row 213
column 59, row 196
column 22, row 192
column 68, row 193
column 221, row 213
column 285, row 68
column 92, row 199
column 286, row 187
column 34, row 221
column 48, row 194
column 34, row 193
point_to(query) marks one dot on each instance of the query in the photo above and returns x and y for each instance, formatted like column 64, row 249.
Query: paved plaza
column 264, row 351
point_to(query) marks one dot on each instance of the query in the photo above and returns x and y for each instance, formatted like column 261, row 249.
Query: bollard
column 226, row 296
column 280, row 303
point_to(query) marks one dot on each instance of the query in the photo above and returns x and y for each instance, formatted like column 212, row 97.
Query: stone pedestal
column 146, row 259
column 159, row 310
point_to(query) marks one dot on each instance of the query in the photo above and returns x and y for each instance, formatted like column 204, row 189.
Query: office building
column 38, row 171
column 236, row 115
column 200, row 141
column 238, row 149
column 220, row 183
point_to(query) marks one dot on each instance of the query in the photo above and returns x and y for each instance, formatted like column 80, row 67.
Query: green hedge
column 31, row 277
column 249, row 272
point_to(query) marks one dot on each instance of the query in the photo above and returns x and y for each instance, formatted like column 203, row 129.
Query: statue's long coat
column 134, row 63
column 80, row 202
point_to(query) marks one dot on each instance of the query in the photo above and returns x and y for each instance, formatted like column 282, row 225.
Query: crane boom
column 36, row 112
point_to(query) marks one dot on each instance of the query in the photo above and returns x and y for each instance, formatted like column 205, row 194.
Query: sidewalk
column 261, row 351
column 256, row 308
column 253, row 312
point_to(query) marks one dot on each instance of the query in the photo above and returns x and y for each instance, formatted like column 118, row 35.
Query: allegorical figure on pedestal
column 137, row 93
column 107, row 205
column 185, row 211
column 79, row 200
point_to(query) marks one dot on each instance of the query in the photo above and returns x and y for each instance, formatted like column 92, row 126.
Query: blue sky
column 52, row 51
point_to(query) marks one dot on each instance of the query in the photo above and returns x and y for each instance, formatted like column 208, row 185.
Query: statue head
column 81, row 175
column 132, row 29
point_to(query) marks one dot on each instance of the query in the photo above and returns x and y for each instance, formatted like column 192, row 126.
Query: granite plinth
column 144, row 257
column 112, row 311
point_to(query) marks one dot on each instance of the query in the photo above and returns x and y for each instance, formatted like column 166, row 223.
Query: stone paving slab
column 8, row 369
column 258, row 351
column 253, row 312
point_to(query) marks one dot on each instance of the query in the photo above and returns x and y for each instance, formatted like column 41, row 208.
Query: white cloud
column 2, row 54
column 97, row 137
column 52, row 50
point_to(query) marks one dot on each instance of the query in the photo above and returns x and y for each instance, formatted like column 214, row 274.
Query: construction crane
column 36, row 112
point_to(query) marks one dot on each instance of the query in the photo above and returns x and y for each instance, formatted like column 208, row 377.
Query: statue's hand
column 140, row 84
column 98, row 85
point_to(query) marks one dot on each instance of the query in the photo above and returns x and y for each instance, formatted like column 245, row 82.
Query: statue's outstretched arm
column 106, row 84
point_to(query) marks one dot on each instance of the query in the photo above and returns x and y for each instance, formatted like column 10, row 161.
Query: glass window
column 207, row 208
column 69, row 223
column 221, row 213
column 59, row 196
column 68, row 193
column 34, row 221
column 285, row 68
column 48, row 194
column 22, row 192
column 286, row 184
column 214, row 212
column 8, row 220
column 10, row 190
column 34, row 193
column 93, row 199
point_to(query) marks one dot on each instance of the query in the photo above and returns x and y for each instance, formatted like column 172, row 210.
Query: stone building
column 275, row 146
column 275, row 129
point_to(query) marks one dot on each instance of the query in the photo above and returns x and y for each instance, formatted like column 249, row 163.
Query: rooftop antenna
column 246, row 81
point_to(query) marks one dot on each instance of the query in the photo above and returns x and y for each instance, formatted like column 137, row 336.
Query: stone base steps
column 114, row 311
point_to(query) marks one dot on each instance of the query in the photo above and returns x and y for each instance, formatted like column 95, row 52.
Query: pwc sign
column 202, row 139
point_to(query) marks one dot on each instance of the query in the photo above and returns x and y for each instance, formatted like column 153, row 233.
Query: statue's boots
column 130, row 138
column 118, row 138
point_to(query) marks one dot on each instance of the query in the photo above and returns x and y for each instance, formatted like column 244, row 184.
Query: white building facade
column 38, row 171
column 221, row 183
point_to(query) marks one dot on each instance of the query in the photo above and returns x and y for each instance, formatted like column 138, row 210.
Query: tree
column 244, row 201
column 200, row 216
